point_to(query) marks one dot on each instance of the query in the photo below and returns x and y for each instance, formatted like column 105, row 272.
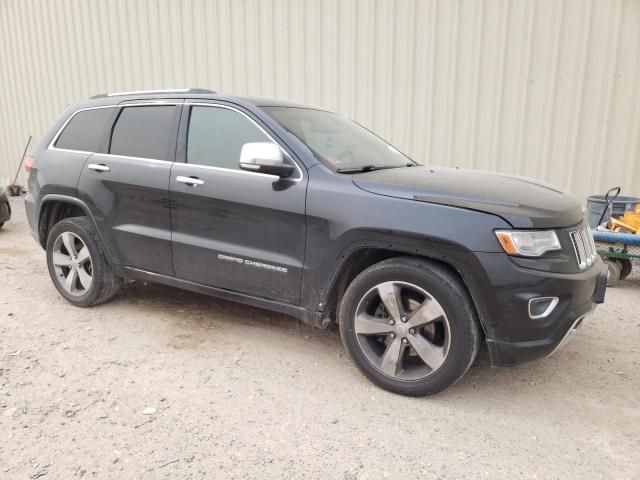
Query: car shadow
column 199, row 319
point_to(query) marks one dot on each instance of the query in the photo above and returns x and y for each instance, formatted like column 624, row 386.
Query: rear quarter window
column 86, row 131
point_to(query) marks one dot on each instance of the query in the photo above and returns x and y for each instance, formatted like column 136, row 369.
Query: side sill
column 311, row 318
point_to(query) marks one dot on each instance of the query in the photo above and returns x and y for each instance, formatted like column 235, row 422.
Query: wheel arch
column 54, row 208
column 358, row 259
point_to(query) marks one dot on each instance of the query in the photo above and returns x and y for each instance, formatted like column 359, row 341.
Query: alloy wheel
column 72, row 263
column 402, row 330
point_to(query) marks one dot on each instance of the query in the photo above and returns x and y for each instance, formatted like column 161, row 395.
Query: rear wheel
column 409, row 326
column 77, row 264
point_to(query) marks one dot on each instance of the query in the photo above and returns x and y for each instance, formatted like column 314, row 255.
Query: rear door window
column 86, row 131
column 144, row 132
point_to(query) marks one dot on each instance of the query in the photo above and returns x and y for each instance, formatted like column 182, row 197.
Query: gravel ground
column 161, row 383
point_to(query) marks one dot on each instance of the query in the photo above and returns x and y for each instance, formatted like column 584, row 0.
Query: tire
column 1, row 224
column 449, row 340
column 613, row 272
column 625, row 266
column 83, row 278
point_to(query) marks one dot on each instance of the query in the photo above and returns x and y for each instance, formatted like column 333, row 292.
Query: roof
column 275, row 102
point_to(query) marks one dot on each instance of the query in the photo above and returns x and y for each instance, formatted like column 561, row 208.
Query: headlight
column 529, row 243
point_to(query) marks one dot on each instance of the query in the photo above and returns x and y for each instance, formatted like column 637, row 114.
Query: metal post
column 22, row 160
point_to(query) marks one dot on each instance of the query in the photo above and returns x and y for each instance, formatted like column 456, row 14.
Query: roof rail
column 145, row 92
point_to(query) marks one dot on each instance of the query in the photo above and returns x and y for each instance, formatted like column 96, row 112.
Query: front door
column 233, row 229
column 127, row 186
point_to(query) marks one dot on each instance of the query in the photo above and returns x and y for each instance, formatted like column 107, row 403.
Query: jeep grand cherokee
column 302, row 211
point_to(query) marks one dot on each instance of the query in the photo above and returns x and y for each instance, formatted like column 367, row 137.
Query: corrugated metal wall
column 545, row 88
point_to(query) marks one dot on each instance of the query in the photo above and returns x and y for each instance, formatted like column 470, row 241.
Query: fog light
column 541, row 307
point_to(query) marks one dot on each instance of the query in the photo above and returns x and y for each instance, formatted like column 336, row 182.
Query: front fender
column 329, row 269
column 343, row 219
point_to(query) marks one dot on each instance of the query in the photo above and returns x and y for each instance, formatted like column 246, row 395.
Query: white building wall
column 544, row 88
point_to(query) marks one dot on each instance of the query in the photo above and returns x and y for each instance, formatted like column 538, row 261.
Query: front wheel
column 410, row 326
column 77, row 265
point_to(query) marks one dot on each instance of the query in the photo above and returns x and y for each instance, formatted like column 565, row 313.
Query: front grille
column 584, row 247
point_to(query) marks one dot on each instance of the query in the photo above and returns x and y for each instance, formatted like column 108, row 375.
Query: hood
column 521, row 201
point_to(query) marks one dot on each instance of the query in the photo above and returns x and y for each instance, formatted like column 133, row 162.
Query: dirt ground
column 162, row 383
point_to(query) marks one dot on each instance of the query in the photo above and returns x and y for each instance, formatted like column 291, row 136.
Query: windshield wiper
column 371, row 168
column 363, row 168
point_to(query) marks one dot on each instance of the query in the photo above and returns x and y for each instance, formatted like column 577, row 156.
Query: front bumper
column 514, row 337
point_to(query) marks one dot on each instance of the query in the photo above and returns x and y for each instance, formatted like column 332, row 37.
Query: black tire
column 104, row 284
column 625, row 267
column 613, row 272
column 1, row 224
column 453, row 298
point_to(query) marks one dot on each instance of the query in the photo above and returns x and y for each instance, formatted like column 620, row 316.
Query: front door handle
column 191, row 181
column 98, row 167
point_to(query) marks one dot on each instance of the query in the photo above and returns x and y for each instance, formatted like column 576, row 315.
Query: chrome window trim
column 52, row 143
column 110, row 155
column 233, row 170
column 71, row 151
column 52, row 146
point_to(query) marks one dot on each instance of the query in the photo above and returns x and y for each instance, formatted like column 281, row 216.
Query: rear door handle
column 191, row 181
column 98, row 167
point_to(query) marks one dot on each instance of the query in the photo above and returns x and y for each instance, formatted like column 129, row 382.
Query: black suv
column 302, row 211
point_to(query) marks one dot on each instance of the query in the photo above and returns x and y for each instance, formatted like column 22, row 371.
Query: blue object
column 613, row 237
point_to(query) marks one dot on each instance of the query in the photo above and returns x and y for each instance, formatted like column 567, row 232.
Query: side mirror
column 264, row 157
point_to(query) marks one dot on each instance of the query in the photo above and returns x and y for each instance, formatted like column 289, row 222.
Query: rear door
column 127, row 185
column 233, row 229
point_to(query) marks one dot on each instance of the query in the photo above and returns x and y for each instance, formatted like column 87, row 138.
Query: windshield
column 338, row 142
